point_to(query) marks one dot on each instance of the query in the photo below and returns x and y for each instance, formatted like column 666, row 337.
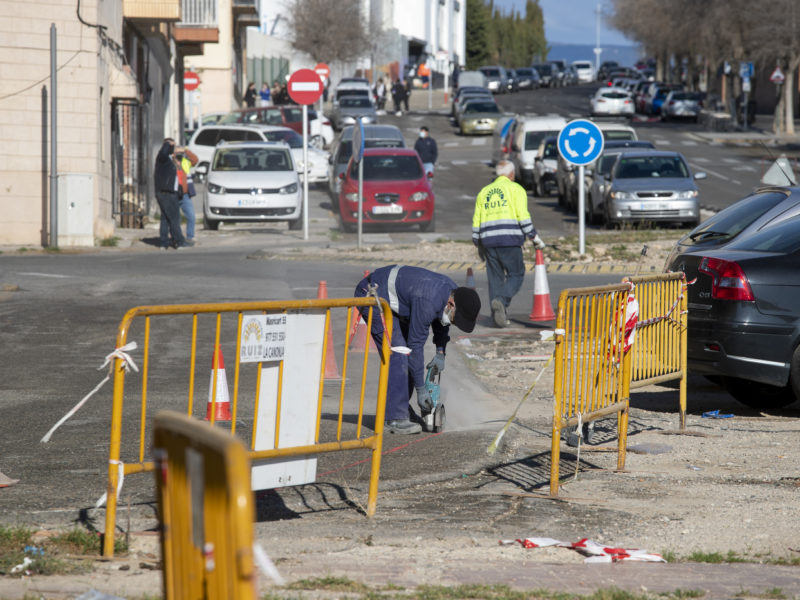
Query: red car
column 396, row 190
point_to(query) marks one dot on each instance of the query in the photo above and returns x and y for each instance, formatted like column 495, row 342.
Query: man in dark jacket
column 168, row 195
column 426, row 148
column 421, row 300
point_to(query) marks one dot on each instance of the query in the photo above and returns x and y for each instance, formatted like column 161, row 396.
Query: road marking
column 744, row 168
column 662, row 142
column 450, row 144
column 54, row 275
column 459, row 162
column 466, row 197
column 702, row 159
column 688, row 143
column 479, row 141
column 731, row 161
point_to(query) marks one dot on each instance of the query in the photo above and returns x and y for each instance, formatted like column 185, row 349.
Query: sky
column 572, row 21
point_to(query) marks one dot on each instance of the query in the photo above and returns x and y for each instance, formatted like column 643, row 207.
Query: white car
column 584, row 70
column 612, row 101
column 252, row 181
column 317, row 159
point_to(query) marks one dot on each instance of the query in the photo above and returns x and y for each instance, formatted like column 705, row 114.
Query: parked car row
column 744, row 318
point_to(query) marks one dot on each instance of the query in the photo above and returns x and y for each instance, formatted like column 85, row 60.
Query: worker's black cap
column 468, row 306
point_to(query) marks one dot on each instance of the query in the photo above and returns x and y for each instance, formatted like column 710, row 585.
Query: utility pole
column 597, row 48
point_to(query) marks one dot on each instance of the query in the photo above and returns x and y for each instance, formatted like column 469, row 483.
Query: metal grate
column 129, row 125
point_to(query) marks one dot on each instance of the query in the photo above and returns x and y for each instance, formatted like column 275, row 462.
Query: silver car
column 349, row 108
column 681, row 105
column 252, row 181
column 653, row 186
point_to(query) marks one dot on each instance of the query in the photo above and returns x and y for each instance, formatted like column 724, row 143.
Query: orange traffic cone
column 470, row 279
column 358, row 335
column 222, row 412
column 331, row 368
column 542, row 308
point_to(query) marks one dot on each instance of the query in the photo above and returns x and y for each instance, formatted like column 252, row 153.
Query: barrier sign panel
column 263, row 338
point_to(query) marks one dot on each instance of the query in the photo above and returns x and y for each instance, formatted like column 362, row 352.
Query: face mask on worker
column 445, row 320
column 447, row 315
column 422, row 134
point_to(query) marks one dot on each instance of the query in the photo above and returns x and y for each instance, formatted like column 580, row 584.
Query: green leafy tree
column 477, row 34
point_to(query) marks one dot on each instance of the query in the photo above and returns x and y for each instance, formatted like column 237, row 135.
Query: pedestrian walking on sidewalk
column 427, row 150
column 501, row 224
column 421, row 300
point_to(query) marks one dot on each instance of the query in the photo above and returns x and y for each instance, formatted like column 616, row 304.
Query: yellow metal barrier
column 165, row 350
column 659, row 353
column 592, row 371
column 206, row 510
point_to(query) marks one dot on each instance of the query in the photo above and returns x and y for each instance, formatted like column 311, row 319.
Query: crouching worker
column 420, row 300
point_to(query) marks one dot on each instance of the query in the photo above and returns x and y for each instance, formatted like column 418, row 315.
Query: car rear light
column 728, row 281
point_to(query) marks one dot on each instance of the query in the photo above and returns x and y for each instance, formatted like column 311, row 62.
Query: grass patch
column 330, row 583
column 621, row 252
column 110, row 242
column 776, row 593
column 390, row 591
column 716, row 557
column 52, row 249
column 49, row 556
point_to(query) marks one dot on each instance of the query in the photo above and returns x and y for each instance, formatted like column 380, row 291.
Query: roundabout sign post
column 580, row 142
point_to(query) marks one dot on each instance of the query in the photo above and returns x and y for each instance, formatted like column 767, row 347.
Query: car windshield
column 783, row 238
column 618, row 135
column 606, row 162
column 229, row 118
column 534, row 138
column 293, row 115
column 650, row 167
column 481, row 107
column 350, row 102
column 550, row 150
column 682, row 96
column 524, row 72
column 389, row 168
column 252, row 159
column 614, row 95
column 346, row 148
column 730, row 222
column 491, row 72
column 544, row 69
column 288, row 136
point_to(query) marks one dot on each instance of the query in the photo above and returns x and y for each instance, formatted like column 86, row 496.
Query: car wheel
column 430, row 226
column 538, row 189
column 348, row 227
column 199, row 177
column 591, row 213
column 296, row 224
column 562, row 198
column 210, row 224
column 759, row 395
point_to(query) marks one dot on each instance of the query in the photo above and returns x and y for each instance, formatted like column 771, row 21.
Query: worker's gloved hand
column 481, row 252
column 437, row 363
column 538, row 243
column 424, row 399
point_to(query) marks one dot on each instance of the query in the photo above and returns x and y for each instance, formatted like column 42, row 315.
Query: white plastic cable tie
column 266, row 565
column 121, row 353
column 560, row 331
column 120, row 479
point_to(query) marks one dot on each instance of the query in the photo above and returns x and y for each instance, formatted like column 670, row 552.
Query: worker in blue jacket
column 421, row 300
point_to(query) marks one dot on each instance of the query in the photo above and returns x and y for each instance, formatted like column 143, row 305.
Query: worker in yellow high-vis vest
column 501, row 225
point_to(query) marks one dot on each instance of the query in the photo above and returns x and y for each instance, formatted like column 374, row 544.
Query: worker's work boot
column 402, row 426
column 499, row 313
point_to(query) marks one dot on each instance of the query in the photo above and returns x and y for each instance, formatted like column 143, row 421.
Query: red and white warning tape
column 595, row 553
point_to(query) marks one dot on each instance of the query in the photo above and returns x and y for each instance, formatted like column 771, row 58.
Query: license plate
column 392, row 209
column 653, row 206
column 254, row 201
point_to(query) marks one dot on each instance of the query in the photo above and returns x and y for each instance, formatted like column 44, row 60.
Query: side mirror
column 202, row 169
column 430, row 174
column 341, row 176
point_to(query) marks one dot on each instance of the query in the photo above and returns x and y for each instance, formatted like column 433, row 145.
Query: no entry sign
column 305, row 86
column 190, row 81
column 323, row 71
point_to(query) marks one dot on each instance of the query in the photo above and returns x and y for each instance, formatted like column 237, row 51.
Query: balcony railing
column 199, row 13
column 152, row 10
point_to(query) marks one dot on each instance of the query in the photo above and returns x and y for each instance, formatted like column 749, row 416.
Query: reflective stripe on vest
column 392, row 291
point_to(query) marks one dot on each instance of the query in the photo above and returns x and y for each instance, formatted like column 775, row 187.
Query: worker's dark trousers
column 400, row 385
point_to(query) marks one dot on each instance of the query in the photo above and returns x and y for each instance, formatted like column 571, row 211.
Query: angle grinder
column 434, row 420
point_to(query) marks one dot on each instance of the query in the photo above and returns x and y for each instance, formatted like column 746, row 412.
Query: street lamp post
column 597, row 49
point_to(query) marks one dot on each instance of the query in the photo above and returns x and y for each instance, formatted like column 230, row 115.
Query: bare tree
column 328, row 30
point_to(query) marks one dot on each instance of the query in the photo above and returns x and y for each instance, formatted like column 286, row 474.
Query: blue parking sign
column 580, row 142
